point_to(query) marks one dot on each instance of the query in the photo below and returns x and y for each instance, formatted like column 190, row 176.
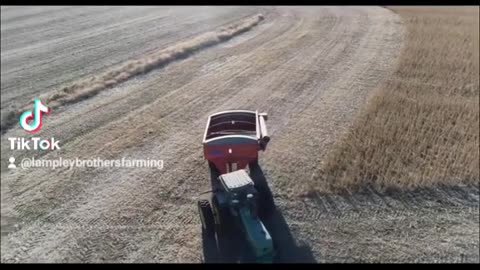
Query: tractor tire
column 222, row 219
column 266, row 204
column 206, row 217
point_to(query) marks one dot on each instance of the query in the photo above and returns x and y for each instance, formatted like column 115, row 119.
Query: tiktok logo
column 36, row 116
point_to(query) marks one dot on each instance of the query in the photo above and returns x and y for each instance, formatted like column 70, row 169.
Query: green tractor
column 239, row 199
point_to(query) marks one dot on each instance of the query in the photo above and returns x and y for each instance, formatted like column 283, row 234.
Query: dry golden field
column 422, row 127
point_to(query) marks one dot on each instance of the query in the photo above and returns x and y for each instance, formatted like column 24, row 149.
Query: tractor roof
column 236, row 179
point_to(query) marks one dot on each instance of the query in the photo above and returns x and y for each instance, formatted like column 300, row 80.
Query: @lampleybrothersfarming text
column 27, row 163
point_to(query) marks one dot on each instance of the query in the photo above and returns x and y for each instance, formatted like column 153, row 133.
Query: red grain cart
column 233, row 139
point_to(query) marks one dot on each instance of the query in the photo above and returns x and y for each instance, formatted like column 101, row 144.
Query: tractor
column 240, row 197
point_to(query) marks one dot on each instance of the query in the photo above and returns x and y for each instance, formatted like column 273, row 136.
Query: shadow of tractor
column 233, row 248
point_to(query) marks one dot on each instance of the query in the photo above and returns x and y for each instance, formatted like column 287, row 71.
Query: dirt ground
column 310, row 68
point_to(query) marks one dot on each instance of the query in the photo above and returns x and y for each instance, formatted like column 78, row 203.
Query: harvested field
column 312, row 69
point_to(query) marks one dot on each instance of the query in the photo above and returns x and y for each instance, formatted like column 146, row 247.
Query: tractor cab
column 236, row 181
column 241, row 198
column 239, row 191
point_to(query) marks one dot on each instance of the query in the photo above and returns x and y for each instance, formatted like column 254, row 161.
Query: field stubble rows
column 310, row 69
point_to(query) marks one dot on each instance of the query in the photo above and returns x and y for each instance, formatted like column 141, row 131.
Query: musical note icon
column 36, row 116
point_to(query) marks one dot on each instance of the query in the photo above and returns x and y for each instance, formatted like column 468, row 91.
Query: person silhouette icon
column 12, row 164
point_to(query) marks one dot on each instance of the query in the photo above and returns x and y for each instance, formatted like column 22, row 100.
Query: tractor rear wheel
column 206, row 217
column 222, row 218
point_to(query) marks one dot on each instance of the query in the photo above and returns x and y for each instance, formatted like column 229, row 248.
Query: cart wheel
column 206, row 217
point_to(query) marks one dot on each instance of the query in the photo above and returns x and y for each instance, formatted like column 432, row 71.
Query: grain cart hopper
column 238, row 200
